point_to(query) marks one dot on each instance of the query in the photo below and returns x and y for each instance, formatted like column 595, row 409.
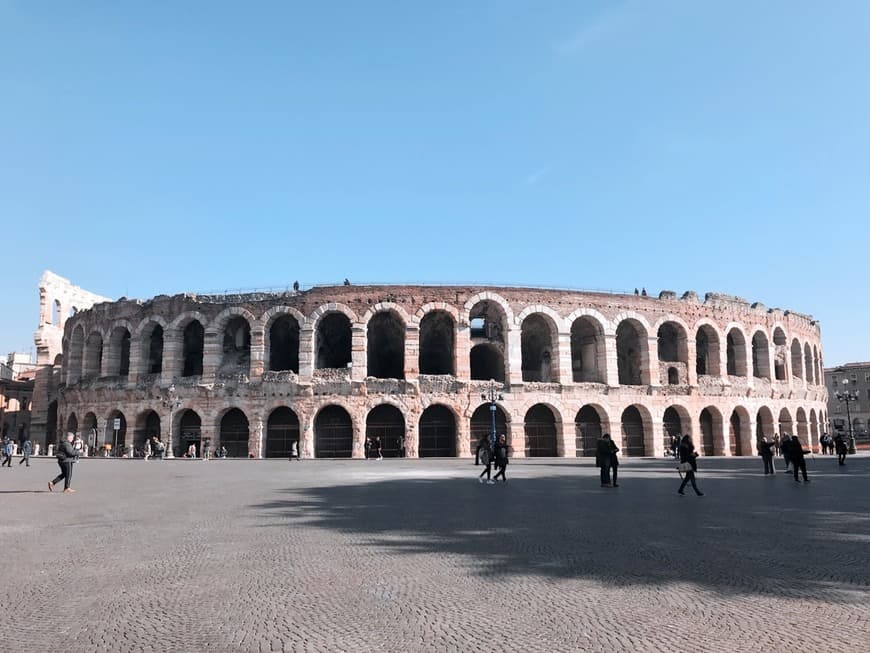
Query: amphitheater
column 416, row 366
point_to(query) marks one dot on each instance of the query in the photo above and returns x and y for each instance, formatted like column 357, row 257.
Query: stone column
column 611, row 370
column 306, row 353
column 172, row 358
column 691, row 363
column 258, row 354
column 658, row 436
column 211, row 357
column 306, row 438
column 412, row 353
column 359, row 433
column 652, row 346
column 412, row 436
column 358, row 354
column 463, row 436
column 563, row 358
column 462, row 352
column 513, row 356
column 135, row 362
column 255, row 437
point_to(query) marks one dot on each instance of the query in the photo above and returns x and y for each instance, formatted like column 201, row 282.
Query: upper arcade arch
column 760, row 354
column 708, row 342
column 385, row 343
column 539, row 347
column 632, row 352
column 437, row 348
column 735, row 351
column 588, row 349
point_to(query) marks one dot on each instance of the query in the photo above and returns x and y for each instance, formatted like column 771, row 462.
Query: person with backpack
column 8, row 448
column 501, row 458
column 484, row 453
column 26, row 450
column 66, row 456
column 688, row 456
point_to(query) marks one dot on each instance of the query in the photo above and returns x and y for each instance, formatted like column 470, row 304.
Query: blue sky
column 163, row 147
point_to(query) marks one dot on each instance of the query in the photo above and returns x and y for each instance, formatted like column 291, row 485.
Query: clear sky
column 161, row 147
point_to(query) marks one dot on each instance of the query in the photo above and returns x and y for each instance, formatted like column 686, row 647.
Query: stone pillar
column 563, row 358
column 412, row 353
column 566, row 441
column 658, row 435
column 463, row 437
column 652, row 363
column 306, row 353
column 462, row 352
column 306, row 437
column 359, row 433
column 412, row 436
column 172, row 358
column 513, row 356
column 258, row 354
column 211, row 357
column 255, row 437
column 611, row 370
column 136, row 347
column 691, row 362
column 359, row 364
column 516, row 433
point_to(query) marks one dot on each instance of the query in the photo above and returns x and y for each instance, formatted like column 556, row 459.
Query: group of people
column 488, row 454
column 838, row 445
column 373, row 448
column 607, row 460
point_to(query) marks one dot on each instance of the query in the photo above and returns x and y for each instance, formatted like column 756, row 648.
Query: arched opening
column 735, row 431
column 190, row 433
column 437, row 432
column 587, row 351
column 93, row 355
column 282, row 430
column 736, row 353
column 540, row 431
column 51, row 423
column 386, row 346
column 673, row 353
column 76, row 355
column 803, row 431
column 633, row 432
column 814, row 430
column 780, row 354
column 236, row 351
column 147, row 426
column 797, row 364
column 630, row 339
column 481, row 424
column 707, row 351
column 116, row 432
column 437, row 343
column 387, row 423
column 587, row 426
column 154, row 350
column 538, row 349
column 72, row 424
column 808, row 362
column 333, row 433
column 487, row 330
column 672, row 426
column 764, row 427
column 234, row 433
column 712, row 432
column 192, row 348
column 55, row 313
column 786, row 426
column 817, row 366
column 487, row 362
column 284, row 346
column 760, row 356
column 333, row 342
column 91, row 430
column 119, row 351
column 673, row 376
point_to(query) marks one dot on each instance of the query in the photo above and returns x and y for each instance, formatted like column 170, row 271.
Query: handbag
column 685, row 467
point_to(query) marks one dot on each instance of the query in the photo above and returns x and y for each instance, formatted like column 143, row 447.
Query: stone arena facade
column 332, row 365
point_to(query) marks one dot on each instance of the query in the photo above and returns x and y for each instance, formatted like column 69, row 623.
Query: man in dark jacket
column 66, row 456
column 501, row 458
column 765, row 450
column 841, row 448
column 796, row 451
column 602, row 458
column 785, row 448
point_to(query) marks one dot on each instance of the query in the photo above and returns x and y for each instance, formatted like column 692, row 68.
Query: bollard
column 50, row 450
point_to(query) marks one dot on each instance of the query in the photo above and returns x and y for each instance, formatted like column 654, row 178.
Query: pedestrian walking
column 602, row 458
column 8, row 448
column 368, row 447
column 798, row 462
column 484, row 450
column 66, row 456
column 776, row 443
column 147, row 452
column 483, row 444
column 765, row 450
column 614, row 460
column 377, row 448
column 26, row 450
column 689, row 465
column 294, row 450
column 501, row 458
column 841, row 448
column 785, row 448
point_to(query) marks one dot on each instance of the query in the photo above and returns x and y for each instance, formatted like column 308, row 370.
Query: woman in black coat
column 688, row 455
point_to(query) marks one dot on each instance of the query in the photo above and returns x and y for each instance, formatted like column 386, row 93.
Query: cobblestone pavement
column 408, row 555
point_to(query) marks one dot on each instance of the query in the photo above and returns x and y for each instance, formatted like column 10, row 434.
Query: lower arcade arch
column 147, row 426
column 481, row 424
column 234, row 433
column 386, row 423
column 786, row 426
column 72, row 424
column 588, row 430
column 635, row 428
column 540, row 431
column 674, row 424
column 437, row 432
column 764, row 427
column 712, row 433
column 333, row 433
column 116, row 438
column 189, row 433
column 739, row 432
column 282, row 430
column 91, row 430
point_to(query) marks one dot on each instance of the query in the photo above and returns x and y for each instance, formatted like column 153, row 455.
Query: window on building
column 854, row 378
column 867, row 378
column 834, row 381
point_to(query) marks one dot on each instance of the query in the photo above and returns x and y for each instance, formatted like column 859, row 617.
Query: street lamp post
column 846, row 396
column 172, row 402
column 492, row 397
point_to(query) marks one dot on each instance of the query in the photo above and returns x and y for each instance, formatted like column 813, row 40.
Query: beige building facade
column 414, row 366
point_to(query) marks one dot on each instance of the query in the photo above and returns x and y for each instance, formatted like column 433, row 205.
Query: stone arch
column 676, row 422
column 76, row 354
column 149, row 335
column 51, row 423
column 333, row 432
column 712, row 432
column 588, row 351
column 282, row 428
column 147, row 425
column 385, row 343
column 487, row 362
column 673, row 350
column 637, row 431
column 735, row 344
column 91, row 429
column 740, row 432
column 707, row 349
column 539, row 347
column 282, row 340
column 234, row 430
column 234, row 329
column 116, row 438
column 391, row 307
column 192, row 348
column 541, row 428
column 387, row 422
column 492, row 298
column 632, row 352
column 786, row 424
column 760, row 355
column 590, row 423
column 72, row 423
column 780, row 354
column 333, row 336
column 118, row 359
column 481, row 424
column 438, row 432
column 803, row 431
column 437, row 350
column 187, row 428
column 220, row 321
column 808, row 364
column 93, row 355
column 797, row 364
column 489, row 321
column 764, row 424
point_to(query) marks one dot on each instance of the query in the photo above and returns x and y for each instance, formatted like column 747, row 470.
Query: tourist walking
column 765, row 450
column 376, row 445
column 484, row 452
column 26, row 450
column 483, row 444
column 841, row 448
column 602, row 458
column 688, row 456
column 614, row 459
column 501, row 458
column 776, row 443
column 8, row 448
column 368, row 447
column 147, row 450
column 294, row 450
column 66, row 456
column 798, row 462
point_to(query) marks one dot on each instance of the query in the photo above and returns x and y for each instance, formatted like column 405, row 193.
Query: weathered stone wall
column 796, row 402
